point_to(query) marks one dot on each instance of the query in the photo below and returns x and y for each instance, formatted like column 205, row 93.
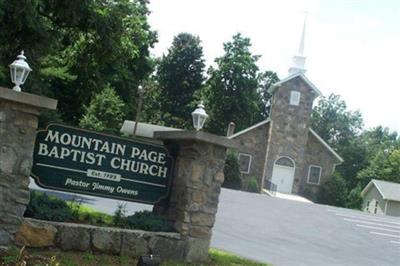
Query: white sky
column 352, row 47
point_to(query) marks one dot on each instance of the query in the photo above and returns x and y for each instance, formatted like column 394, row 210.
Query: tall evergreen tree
column 180, row 74
column 105, row 112
column 231, row 92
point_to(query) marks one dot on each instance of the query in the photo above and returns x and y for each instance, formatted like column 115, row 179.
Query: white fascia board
column 276, row 85
column 326, row 145
column 367, row 187
column 249, row 128
column 379, row 190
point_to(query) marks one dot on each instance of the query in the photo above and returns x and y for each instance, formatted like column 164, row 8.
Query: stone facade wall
column 18, row 123
column 195, row 194
column 288, row 134
column 254, row 142
column 78, row 237
column 316, row 154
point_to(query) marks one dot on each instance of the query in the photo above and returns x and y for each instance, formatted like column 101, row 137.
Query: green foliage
column 180, row 75
column 44, row 207
column 232, row 176
column 105, row 112
column 333, row 191
column 333, row 122
column 354, row 199
column 220, row 257
column 77, row 47
column 266, row 80
column 341, row 128
column 253, row 185
column 231, row 91
column 119, row 218
column 147, row 220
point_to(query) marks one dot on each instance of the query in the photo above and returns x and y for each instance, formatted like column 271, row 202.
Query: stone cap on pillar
column 28, row 99
column 199, row 136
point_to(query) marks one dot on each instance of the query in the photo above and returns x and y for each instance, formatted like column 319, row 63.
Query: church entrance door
column 283, row 174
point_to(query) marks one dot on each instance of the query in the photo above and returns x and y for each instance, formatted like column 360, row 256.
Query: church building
column 283, row 152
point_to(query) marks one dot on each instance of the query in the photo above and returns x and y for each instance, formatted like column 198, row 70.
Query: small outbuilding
column 381, row 197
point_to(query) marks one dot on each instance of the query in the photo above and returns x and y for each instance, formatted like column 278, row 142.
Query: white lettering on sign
column 103, row 175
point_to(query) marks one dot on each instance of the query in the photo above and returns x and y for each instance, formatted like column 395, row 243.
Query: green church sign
column 81, row 161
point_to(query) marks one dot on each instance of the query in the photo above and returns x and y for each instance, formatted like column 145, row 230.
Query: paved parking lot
column 284, row 232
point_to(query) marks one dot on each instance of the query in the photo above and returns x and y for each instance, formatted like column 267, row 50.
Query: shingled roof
column 388, row 190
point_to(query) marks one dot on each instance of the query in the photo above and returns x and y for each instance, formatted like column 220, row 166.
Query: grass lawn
column 86, row 214
column 58, row 258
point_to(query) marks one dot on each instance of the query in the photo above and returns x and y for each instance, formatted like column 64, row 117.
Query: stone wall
column 254, row 142
column 18, row 122
column 78, row 237
column 193, row 203
column 191, row 206
column 317, row 154
column 289, row 127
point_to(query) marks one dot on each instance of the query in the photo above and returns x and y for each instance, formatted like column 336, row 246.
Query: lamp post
column 19, row 70
column 141, row 93
column 199, row 116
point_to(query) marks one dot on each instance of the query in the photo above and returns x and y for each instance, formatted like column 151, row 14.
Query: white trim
column 309, row 83
column 386, row 204
column 309, row 171
column 250, row 160
column 279, row 157
column 368, row 187
column 295, row 98
column 249, row 128
column 326, row 145
column 372, row 182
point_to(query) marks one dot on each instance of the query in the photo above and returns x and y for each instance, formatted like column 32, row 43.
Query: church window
column 294, row 98
column 245, row 163
column 314, row 174
column 285, row 161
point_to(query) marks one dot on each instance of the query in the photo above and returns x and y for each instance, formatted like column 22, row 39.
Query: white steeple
column 299, row 60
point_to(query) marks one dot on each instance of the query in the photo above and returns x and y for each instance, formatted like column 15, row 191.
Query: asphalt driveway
column 285, row 232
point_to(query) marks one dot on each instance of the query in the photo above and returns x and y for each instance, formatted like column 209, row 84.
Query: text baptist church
column 93, row 151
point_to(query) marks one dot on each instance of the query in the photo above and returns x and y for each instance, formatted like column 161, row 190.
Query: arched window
column 285, row 161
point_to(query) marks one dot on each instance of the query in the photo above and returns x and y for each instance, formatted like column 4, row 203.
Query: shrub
column 232, row 174
column 354, row 199
column 253, row 185
column 44, row 207
column 119, row 218
column 105, row 112
column 146, row 220
column 333, row 191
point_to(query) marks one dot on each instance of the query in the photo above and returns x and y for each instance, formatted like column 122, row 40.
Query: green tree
column 180, row 74
column 341, row 129
column 231, row 91
column 233, row 178
column 77, row 47
column 266, row 80
column 354, row 199
column 333, row 122
column 105, row 112
column 333, row 191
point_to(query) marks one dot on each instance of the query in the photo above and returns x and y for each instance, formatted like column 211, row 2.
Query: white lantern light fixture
column 199, row 116
column 19, row 70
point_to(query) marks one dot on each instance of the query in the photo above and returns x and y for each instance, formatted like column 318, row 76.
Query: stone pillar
column 196, row 185
column 19, row 113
